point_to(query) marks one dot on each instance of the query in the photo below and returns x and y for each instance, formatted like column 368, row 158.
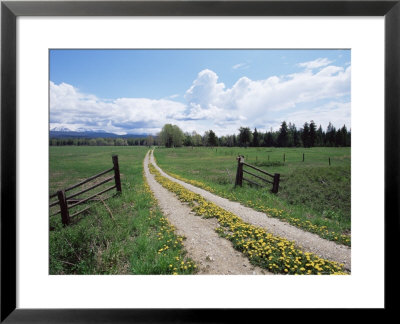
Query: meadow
column 314, row 194
column 127, row 234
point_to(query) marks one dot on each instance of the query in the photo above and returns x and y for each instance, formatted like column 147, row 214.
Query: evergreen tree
column 283, row 136
column 313, row 134
column 339, row 138
column 344, row 136
column 212, row 139
column 348, row 138
column 330, row 135
column 269, row 139
column 305, row 135
column 256, row 138
column 296, row 138
column 320, row 137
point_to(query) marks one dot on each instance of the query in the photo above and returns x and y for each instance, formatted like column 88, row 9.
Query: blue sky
column 138, row 91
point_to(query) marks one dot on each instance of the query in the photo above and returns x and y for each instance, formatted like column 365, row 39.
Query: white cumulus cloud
column 258, row 100
column 320, row 92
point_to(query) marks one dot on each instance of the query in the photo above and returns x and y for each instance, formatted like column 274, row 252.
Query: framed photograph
column 343, row 54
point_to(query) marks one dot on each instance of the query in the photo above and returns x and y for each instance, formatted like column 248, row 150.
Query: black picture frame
column 10, row 10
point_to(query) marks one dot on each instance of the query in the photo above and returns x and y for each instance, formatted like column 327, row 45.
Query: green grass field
column 313, row 194
column 128, row 237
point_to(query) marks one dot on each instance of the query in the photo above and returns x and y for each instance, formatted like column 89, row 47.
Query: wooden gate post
column 275, row 186
column 116, row 173
column 239, row 172
column 63, row 207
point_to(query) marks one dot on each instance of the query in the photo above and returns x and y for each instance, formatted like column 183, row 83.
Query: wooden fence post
column 239, row 172
column 275, row 186
column 116, row 173
column 63, row 207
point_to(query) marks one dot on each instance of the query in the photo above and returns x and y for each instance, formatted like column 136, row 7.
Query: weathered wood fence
column 68, row 202
column 240, row 170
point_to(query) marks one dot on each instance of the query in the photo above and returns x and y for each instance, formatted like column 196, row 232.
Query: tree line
column 143, row 141
column 287, row 136
column 172, row 136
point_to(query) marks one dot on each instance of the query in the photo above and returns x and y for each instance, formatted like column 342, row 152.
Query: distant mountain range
column 63, row 132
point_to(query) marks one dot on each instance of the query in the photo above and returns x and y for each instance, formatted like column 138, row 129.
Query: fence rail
column 68, row 202
column 240, row 170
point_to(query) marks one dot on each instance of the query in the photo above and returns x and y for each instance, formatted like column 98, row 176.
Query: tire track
column 211, row 253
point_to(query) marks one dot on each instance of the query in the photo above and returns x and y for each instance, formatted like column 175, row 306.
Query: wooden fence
column 68, row 202
column 240, row 170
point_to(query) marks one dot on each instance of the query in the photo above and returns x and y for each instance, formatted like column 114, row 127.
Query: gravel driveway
column 211, row 253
